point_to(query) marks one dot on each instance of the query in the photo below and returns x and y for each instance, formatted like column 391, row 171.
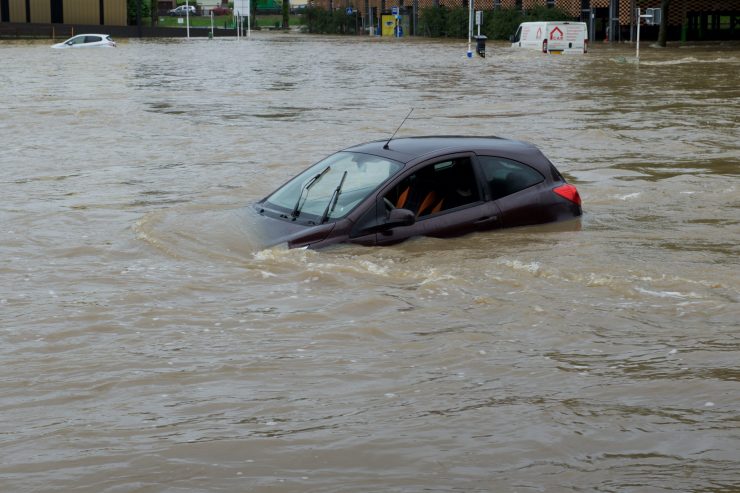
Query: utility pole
column 138, row 17
column 663, row 31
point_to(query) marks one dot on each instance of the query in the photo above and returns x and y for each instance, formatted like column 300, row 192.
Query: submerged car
column 384, row 192
column 87, row 41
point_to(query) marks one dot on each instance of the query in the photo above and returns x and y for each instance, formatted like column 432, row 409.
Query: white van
column 552, row 37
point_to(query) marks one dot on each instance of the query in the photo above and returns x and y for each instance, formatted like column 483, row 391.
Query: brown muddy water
column 149, row 345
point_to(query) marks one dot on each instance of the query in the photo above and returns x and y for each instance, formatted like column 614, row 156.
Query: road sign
column 394, row 10
column 654, row 16
column 350, row 11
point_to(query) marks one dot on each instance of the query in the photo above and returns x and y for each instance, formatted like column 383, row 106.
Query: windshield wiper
column 305, row 188
column 333, row 200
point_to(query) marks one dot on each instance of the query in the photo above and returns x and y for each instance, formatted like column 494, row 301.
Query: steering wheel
column 388, row 204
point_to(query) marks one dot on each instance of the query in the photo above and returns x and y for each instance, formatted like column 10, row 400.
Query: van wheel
column 544, row 46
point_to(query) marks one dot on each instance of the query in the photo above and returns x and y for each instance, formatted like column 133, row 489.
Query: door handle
column 487, row 219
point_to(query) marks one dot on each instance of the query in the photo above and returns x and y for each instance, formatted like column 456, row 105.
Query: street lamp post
column 470, row 27
column 187, row 18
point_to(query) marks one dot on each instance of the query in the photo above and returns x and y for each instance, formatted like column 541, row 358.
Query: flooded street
column 149, row 344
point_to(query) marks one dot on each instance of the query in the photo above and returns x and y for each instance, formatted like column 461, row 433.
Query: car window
column 505, row 176
column 436, row 188
column 334, row 186
column 92, row 39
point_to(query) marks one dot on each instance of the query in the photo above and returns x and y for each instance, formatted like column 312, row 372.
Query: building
column 687, row 19
column 88, row 12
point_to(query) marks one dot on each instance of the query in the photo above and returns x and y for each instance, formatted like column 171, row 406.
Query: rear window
column 505, row 176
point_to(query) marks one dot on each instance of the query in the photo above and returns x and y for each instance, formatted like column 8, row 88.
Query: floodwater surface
column 149, row 344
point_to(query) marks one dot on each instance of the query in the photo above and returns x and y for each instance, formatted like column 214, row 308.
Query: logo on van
column 556, row 34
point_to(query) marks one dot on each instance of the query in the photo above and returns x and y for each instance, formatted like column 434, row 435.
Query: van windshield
column 306, row 196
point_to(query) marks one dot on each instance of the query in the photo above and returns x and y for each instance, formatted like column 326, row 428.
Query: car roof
column 407, row 149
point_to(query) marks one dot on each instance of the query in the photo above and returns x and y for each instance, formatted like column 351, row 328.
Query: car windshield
column 331, row 188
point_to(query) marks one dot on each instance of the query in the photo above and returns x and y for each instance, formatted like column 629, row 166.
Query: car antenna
column 399, row 128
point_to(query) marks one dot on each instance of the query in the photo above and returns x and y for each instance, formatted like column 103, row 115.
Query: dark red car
column 221, row 11
column 381, row 193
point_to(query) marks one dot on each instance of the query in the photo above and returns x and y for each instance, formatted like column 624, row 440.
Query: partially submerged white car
column 87, row 41
column 552, row 37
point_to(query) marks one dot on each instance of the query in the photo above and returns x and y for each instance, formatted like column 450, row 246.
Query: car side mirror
column 400, row 217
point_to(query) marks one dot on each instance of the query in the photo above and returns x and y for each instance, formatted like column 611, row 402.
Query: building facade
column 610, row 20
column 88, row 12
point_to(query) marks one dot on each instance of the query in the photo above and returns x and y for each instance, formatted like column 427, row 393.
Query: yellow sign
column 389, row 25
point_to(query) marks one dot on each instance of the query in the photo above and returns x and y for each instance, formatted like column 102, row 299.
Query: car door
column 446, row 197
column 77, row 41
column 91, row 41
column 516, row 188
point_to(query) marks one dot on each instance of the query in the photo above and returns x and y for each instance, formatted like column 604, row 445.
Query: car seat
column 430, row 201
column 403, row 197
column 431, row 204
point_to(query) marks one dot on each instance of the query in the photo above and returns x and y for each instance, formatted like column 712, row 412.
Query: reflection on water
column 150, row 343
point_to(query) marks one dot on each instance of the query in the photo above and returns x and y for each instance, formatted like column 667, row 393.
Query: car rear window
column 505, row 176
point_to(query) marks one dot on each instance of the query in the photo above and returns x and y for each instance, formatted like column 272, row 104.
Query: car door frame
column 446, row 223
column 525, row 206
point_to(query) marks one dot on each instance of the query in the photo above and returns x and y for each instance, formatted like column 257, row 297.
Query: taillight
column 569, row 192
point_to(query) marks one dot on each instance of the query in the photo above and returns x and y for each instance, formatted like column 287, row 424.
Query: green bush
column 321, row 21
column 131, row 11
column 439, row 22
column 542, row 13
column 433, row 21
column 500, row 24
column 457, row 23
column 497, row 24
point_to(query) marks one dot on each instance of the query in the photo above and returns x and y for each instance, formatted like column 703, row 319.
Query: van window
column 518, row 35
column 505, row 176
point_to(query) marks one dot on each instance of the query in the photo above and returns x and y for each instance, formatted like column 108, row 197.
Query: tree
column 663, row 32
column 137, row 10
column 286, row 14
